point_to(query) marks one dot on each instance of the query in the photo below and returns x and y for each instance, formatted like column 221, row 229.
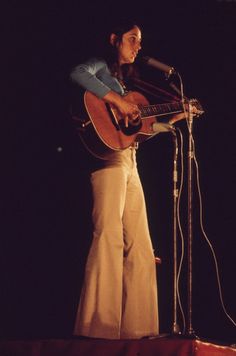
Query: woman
column 119, row 294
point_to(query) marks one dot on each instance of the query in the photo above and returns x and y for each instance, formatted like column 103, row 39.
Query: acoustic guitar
column 102, row 129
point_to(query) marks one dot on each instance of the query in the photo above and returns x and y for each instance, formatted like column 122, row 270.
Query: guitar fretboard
column 160, row 109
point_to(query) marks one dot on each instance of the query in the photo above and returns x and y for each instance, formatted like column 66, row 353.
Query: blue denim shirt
column 95, row 76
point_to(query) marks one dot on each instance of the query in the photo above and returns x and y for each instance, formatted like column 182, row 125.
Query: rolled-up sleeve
column 85, row 75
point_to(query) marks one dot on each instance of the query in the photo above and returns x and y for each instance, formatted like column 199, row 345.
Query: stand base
column 175, row 336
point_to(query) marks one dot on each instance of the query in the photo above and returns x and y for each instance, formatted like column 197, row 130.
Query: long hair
column 126, row 71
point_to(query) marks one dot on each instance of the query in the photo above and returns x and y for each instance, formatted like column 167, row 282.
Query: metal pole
column 175, row 326
column 189, row 329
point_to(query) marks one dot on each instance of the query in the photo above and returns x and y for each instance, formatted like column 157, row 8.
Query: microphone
column 159, row 65
column 159, row 127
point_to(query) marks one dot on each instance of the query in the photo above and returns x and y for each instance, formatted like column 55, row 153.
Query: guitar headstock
column 197, row 107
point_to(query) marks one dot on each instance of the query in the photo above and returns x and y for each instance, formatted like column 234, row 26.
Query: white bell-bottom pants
column 119, row 294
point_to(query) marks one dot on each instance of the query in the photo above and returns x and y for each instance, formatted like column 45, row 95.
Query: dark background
column 45, row 194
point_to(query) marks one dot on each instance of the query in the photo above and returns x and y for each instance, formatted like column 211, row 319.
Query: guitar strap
column 121, row 81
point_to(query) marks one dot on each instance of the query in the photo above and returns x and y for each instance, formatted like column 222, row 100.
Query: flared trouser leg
column 140, row 310
column 119, row 295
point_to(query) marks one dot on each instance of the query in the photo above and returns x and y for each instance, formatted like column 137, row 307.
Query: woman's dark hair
column 121, row 27
column 110, row 53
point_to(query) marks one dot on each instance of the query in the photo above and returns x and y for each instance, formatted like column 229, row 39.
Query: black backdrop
column 45, row 195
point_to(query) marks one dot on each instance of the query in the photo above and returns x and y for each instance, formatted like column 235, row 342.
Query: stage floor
column 163, row 346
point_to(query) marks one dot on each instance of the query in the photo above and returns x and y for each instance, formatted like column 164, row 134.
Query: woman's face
column 129, row 46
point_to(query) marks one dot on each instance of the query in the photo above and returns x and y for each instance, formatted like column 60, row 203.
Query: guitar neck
column 160, row 109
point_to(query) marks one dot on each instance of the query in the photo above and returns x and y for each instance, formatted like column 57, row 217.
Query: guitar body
column 103, row 130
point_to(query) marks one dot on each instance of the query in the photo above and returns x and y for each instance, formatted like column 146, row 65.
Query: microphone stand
column 189, row 328
column 158, row 128
column 175, row 326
